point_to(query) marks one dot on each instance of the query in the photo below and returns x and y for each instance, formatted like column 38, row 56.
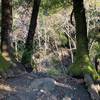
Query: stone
column 47, row 84
column 2, row 97
column 66, row 98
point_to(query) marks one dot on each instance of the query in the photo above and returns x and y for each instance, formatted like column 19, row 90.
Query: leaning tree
column 26, row 57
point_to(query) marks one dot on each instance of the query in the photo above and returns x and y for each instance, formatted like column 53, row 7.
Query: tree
column 6, row 27
column 82, row 64
column 26, row 58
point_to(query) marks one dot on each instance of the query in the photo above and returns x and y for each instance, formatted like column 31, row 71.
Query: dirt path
column 18, row 89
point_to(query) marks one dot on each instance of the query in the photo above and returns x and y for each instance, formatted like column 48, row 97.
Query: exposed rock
column 33, row 86
column 66, row 98
column 2, row 97
column 44, row 95
column 3, row 75
column 15, row 70
column 12, row 97
column 43, row 83
column 32, row 95
column 92, row 88
column 10, row 73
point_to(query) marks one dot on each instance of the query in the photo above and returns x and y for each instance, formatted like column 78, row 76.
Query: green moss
column 91, row 70
column 74, row 70
column 4, row 64
column 83, row 66
column 99, row 72
column 54, row 72
column 79, row 71
column 26, row 58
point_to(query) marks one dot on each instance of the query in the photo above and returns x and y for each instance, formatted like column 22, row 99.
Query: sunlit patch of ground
column 6, row 56
column 6, row 88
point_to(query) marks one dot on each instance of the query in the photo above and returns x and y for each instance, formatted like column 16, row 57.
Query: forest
column 50, row 50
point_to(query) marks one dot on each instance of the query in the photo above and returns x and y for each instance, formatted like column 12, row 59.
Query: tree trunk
column 82, row 64
column 26, row 58
column 6, row 28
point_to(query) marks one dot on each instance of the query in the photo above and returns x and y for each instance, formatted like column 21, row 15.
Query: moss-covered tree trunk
column 6, row 50
column 82, row 63
column 6, row 28
column 26, row 58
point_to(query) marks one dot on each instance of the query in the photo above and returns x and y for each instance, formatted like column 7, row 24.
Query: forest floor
column 40, row 86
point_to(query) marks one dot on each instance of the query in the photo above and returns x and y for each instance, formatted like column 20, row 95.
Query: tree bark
column 81, row 28
column 6, row 27
column 82, row 64
column 26, row 58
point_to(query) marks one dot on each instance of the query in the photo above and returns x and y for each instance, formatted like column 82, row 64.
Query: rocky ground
column 40, row 86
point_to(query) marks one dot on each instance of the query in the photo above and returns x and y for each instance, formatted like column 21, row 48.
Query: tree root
column 93, row 89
